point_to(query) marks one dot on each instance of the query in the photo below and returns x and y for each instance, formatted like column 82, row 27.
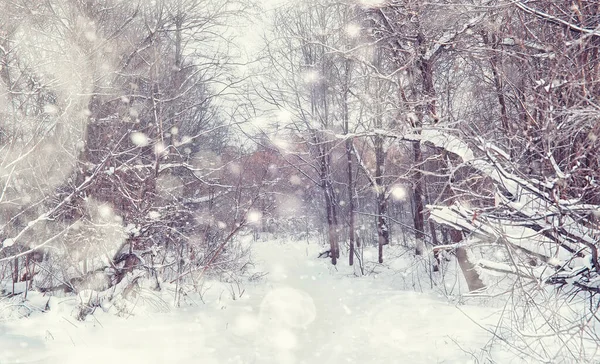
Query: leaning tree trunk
column 467, row 268
column 474, row 282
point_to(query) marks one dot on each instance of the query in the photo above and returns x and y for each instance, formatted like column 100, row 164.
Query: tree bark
column 382, row 226
column 351, row 227
column 418, row 218
column 471, row 275
column 498, row 84
column 327, row 188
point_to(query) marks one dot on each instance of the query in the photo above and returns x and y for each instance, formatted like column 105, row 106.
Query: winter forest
column 300, row 181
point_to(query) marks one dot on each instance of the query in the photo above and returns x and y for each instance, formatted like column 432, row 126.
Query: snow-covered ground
column 303, row 311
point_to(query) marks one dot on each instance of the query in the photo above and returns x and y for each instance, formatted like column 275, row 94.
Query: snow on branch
column 553, row 19
column 49, row 215
column 529, row 217
column 450, row 36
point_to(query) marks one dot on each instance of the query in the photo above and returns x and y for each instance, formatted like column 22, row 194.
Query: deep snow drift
column 303, row 311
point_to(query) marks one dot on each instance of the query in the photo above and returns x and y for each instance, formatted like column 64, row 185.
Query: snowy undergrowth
column 303, row 311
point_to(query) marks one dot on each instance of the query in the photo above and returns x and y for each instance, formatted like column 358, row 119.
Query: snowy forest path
column 303, row 311
column 368, row 320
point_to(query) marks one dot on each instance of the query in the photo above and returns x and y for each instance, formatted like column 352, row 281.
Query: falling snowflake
column 139, row 139
column 398, row 193
column 353, row 30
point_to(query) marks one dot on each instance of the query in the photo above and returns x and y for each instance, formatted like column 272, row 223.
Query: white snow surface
column 303, row 311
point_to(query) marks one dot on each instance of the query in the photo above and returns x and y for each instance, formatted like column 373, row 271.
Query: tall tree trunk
column 327, row 187
column 428, row 89
column 331, row 225
column 380, row 189
column 349, row 142
column 498, row 84
column 351, row 236
column 382, row 225
column 418, row 218
column 351, row 227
